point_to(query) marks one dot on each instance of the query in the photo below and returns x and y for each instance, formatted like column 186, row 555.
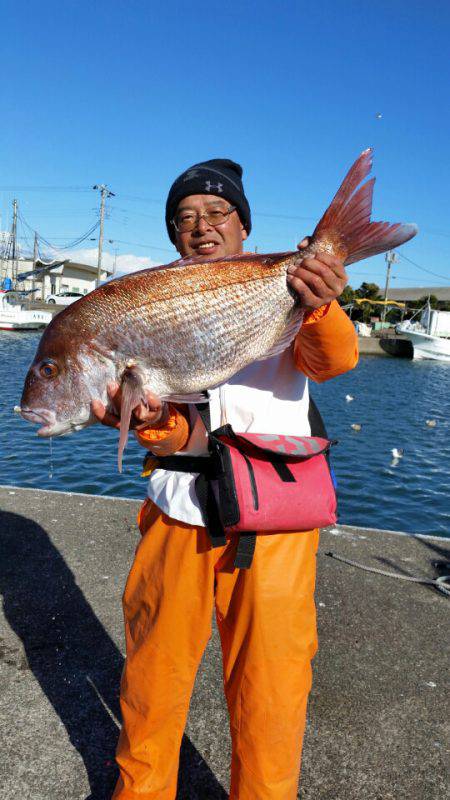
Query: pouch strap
column 203, row 489
column 185, row 463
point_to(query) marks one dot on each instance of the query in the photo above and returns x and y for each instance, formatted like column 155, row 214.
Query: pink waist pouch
column 270, row 482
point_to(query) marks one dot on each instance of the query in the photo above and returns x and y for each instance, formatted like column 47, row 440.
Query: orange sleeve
column 168, row 437
column 327, row 344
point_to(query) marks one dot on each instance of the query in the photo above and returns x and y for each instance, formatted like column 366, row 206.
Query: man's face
column 206, row 241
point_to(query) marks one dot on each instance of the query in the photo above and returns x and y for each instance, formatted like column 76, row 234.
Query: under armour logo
column 192, row 173
column 218, row 186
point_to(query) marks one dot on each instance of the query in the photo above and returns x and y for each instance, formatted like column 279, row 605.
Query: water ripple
column 392, row 400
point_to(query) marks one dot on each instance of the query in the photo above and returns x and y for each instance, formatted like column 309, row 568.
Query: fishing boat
column 429, row 334
column 15, row 317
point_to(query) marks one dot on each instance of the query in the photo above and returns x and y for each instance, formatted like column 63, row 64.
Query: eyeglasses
column 186, row 220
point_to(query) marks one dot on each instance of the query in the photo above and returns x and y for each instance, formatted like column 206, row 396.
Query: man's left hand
column 318, row 280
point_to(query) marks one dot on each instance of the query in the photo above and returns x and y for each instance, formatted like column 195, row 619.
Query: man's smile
column 207, row 246
column 204, row 245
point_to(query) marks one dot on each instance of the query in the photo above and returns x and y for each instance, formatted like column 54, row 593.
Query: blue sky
column 131, row 93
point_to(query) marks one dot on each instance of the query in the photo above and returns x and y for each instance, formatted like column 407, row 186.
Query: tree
column 347, row 296
column 434, row 302
column 368, row 290
column 422, row 301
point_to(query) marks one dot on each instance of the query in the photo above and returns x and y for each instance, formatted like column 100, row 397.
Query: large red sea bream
column 181, row 329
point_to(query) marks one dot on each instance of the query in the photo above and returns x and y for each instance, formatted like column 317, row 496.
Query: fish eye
column 48, row 369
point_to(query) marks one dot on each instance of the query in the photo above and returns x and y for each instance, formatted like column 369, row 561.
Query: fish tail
column 132, row 388
column 346, row 223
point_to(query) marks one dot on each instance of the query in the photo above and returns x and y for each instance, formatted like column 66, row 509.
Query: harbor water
column 392, row 400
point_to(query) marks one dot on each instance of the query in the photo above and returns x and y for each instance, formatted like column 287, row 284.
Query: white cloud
column 125, row 263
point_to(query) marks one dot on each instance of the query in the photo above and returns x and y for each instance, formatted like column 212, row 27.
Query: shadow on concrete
column 73, row 658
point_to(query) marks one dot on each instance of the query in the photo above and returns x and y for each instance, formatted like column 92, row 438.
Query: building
column 412, row 294
column 70, row 276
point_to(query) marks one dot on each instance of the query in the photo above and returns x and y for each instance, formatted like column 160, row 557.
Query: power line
column 147, row 246
column 142, row 199
column 55, row 236
column 70, row 245
column 44, row 189
column 375, row 276
column 445, row 278
column 159, row 201
column 282, row 216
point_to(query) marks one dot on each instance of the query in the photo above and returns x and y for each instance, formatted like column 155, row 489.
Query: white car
column 63, row 298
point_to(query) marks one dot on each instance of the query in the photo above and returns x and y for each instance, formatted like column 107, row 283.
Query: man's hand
column 318, row 279
column 151, row 414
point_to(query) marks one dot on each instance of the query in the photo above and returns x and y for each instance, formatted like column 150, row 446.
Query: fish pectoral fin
column 195, row 397
column 288, row 335
column 133, row 393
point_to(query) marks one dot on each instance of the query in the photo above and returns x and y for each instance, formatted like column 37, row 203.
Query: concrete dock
column 385, row 344
column 377, row 726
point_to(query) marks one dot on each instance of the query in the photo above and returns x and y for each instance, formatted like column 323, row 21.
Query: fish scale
column 213, row 333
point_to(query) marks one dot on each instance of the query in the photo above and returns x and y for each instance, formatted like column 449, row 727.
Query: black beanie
column 221, row 177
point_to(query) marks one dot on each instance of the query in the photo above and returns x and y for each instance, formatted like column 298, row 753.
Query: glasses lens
column 185, row 221
column 216, row 217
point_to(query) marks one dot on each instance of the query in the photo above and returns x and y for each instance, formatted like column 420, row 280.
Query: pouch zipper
column 253, row 485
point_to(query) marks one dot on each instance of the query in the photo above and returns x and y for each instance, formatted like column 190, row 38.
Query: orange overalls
column 266, row 620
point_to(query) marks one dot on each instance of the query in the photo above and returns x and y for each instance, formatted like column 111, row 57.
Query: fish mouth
column 50, row 426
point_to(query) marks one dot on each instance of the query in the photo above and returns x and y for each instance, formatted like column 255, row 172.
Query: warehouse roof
column 416, row 292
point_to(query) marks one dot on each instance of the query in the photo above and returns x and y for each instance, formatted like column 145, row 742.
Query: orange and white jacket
column 266, row 397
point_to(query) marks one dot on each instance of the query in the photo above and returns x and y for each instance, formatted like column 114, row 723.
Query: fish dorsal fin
column 288, row 335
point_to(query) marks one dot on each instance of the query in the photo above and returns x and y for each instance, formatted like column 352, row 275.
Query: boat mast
column 14, row 266
column 429, row 316
column 35, row 258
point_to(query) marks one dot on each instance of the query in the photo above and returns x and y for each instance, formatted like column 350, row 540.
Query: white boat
column 14, row 317
column 429, row 335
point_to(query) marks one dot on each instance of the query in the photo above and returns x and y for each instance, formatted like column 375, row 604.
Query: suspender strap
column 315, row 420
column 210, row 512
column 205, row 415
column 245, row 550
column 208, row 504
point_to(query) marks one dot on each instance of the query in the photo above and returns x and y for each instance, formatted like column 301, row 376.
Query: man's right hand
column 151, row 413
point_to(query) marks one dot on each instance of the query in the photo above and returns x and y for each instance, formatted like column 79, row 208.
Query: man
column 265, row 615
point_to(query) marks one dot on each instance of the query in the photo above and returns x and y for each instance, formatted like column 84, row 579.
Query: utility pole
column 14, row 243
column 35, row 258
column 390, row 258
column 104, row 194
